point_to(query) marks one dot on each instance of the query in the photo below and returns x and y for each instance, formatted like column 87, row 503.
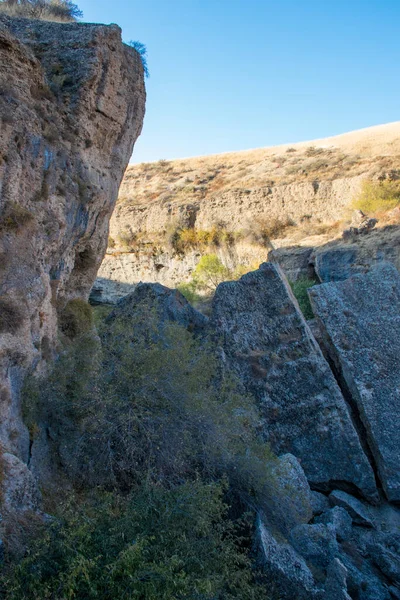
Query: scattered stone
column 294, row 261
column 289, row 494
column 340, row 520
column 360, row 320
column 315, row 543
column 362, row 580
column 357, row 511
column 335, row 584
column 267, row 342
column 165, row 305
column 319, row 503
column 385, row 554
column 285, row 567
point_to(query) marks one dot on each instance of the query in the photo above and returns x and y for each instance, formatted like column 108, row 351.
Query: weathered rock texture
column 250, row 195
column 267, row 341
column 71, row 105
column 119, row 273
column 360, row 321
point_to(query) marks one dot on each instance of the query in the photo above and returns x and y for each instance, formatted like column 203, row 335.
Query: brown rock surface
column 71, row 106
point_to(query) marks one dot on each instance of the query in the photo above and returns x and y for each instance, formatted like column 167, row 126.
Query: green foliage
column 209, row 272
column 151, row 405
column 142, row 50
column 76, row 318
column 299, row 289
column 189, row 291
column 48, row 10
column 157, row 544
column 378, row 196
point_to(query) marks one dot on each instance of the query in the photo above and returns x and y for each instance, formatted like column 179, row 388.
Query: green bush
column 76, row 318
column 150, row 404
column 157, row 544
column 189, row 291
column 299, row 289
column 378, row 196
column 210, row 272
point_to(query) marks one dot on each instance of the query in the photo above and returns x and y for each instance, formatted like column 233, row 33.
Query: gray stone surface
column 285, row 567
column 167, row 306
column 288, row 494
column 338, row 260
column 360, row 320
column 294, row 261
column 340, row 520
column 385, row 554
column 315, row 543
column 319, row 502
column 356, row 509
column 267, row 342
column 336, row 582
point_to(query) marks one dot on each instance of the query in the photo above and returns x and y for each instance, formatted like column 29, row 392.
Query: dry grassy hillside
column 242, row 205
column 370, row 150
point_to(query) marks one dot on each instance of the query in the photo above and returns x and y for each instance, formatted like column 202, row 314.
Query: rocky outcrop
column 360, row 322
column 310, row 545
column 267, row 342
column 71, row 107
column 120, row 272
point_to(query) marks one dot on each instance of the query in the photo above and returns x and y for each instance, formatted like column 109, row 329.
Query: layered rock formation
column 71, row 106
column 268, row 343
column 294, row 196
column 360, row 322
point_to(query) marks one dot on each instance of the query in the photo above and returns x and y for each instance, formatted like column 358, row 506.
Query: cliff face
column 72, row 100
column 303, row 189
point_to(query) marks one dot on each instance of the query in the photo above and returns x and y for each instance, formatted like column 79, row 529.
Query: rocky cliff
column 72, row 100
column 287, row 194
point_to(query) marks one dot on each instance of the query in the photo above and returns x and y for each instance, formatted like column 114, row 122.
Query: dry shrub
column 76, row 318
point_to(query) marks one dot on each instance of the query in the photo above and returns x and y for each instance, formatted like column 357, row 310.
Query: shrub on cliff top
column 47, row 10
column 142, row 50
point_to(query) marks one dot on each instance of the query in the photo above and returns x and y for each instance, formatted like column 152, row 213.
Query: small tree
column 210, row 272
column 142, row 50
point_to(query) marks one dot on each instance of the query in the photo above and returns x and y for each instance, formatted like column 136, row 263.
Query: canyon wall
column 72, row 101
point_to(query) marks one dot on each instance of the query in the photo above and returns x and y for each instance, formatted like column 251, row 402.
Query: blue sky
column 232, row 75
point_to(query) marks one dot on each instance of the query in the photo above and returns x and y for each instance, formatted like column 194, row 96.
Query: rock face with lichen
column 360, row 324
column 72, row 103
column 268, row 343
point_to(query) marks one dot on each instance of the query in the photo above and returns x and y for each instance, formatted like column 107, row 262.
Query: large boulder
column 154, row 302
column 284, row 566
column 287, row 497
column 360, row 321
column 267, row 342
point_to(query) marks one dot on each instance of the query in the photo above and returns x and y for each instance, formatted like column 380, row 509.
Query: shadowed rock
column 268, row 343
column 360, row 322
column 165, row 306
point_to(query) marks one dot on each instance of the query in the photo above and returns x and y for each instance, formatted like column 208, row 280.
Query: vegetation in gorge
column 171, row 445
column 379, row 195
column 155, row 544
column 299, row 289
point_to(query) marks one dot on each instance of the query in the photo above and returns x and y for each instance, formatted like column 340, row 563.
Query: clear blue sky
column 232, row 75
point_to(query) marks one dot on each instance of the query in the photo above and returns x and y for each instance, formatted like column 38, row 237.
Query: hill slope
column 289, row 192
